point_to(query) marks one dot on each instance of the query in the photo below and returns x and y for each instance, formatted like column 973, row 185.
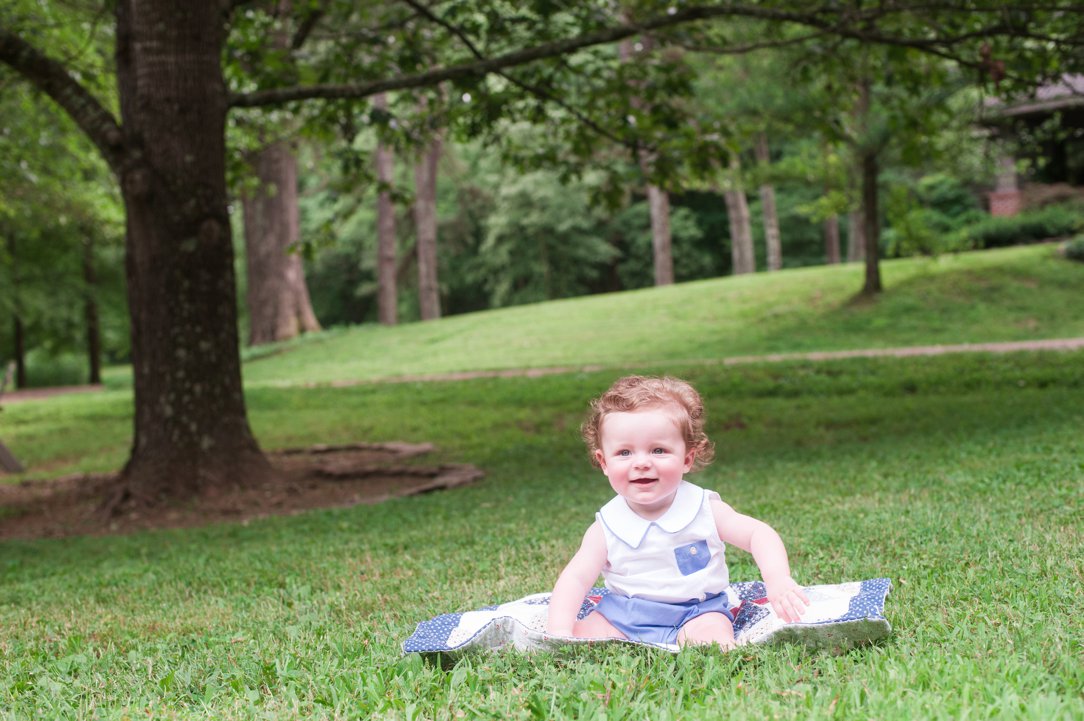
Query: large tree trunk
column 871, row 217
column 277, row 297
column 831, row 239
column 191, row 431
column 772, row 242
column 90, row 313
column 425, row 220
column 387, row 293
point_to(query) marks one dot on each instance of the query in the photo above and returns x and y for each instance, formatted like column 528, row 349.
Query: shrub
column 44, row 369
column 924, row 217
column 1032, row 226
column 1074, row 249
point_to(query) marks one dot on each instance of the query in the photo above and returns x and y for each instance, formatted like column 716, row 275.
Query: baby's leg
column 595, row 625
column 708, row 628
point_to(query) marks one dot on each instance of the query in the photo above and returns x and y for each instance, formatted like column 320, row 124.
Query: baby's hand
column 787, row 598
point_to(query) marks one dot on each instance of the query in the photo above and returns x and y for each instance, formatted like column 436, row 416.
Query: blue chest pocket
column 692, row 558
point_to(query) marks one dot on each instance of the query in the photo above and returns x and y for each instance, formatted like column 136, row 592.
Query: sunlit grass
column 1009, row 294
column 958, row 477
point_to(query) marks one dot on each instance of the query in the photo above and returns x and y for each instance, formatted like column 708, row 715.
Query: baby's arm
column 573, row 583
column 758, row 538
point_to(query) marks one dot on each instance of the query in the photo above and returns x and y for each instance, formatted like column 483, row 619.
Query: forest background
column 542, row 190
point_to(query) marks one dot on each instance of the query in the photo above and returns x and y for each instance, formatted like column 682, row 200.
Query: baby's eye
column 659, row 451
column 624, row 453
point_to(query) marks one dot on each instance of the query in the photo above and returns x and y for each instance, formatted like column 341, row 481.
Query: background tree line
column 588, row 107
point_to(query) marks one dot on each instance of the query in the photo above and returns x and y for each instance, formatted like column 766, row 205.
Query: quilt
column 840, row 616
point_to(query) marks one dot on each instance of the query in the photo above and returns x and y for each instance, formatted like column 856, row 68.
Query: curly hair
column 634, row 393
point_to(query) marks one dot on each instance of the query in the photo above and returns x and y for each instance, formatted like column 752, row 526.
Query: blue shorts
column 657, row 621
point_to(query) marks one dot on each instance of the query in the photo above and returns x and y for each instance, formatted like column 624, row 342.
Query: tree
column 772, row 241
column 658, row 199
column 387, row 293
column 277, row 296
column 425, row 225
column 743, row 259
column 58, row 220
column 168, row 153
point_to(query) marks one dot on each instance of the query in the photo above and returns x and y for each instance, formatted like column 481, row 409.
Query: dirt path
column 1058, row 344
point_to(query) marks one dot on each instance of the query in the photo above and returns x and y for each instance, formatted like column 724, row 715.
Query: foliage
column 542, row 242
column 924, row 215
column 57, row 203
column 1025, row 293
column 1074, row 248
column 945, row 476
column 1030, row 226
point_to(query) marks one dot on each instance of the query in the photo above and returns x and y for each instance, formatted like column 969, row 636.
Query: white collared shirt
column 677, row 557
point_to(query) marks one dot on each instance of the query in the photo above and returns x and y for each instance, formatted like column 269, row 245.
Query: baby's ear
column 689, row 458
column 600, row 459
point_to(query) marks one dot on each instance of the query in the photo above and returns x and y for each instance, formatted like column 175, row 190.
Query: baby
column 659, row 543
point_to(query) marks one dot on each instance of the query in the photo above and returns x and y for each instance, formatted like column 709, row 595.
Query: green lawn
column 1009, row 294
column 958, row 477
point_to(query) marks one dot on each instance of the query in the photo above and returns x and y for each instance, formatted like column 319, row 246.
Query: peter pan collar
column 624, row 523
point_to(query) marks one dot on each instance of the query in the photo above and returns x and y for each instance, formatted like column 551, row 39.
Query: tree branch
column 855, row 24
column 53, row 79
column 535, row 90
column 751, row 47
column 279, row 96
column 306, row 26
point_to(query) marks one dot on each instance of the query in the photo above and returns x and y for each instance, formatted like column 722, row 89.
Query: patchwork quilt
column 839, row 617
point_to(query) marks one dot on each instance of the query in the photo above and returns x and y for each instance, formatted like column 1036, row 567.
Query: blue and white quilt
column 839, row 617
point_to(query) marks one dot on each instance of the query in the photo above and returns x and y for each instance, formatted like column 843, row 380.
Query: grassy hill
column 958, row 477
column 998, row 295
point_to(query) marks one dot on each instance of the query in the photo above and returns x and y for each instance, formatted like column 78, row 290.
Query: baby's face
column 643, row 455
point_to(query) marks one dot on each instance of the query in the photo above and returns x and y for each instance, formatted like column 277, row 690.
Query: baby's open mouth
column 643, row 481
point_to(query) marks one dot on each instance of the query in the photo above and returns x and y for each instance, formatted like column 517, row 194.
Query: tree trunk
column 856, row 236
column 871, row 216
column 18, row 337
column 658, row 199
column 191, row 432
column 772, row 241
column 90, row 314
column 387, row 295
column 8, row 462
column 659, row 203
column 831, row 239
column 277, row 297
column 19, row 350
column 425, row 220
column 742, row 256
column 741, row 230
column 868, row 171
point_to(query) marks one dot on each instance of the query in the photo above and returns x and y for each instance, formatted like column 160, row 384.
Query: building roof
column 1068, row 92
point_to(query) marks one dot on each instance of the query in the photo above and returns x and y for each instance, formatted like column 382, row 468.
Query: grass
column 959, row 477
column 1008, row 294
